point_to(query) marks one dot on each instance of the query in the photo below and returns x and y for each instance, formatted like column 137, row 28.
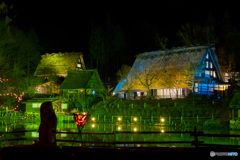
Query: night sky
column 65, row 25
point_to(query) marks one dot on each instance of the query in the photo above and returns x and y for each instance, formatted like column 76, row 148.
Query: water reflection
column 94, row 127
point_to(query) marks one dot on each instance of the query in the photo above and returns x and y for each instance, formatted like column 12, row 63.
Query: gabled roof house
column 57, row 64
column 207, row 76
column 81, row 82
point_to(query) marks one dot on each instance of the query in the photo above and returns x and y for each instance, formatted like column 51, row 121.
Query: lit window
column 35, row 134
column 207, row 56
column 34, row 105
column 211, row 66
column 79, row 65
column 64, row 106
column 207, row 64
column 207, row 74
column 139, row 94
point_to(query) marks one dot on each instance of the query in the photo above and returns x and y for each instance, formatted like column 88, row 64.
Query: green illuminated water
column 109, row 128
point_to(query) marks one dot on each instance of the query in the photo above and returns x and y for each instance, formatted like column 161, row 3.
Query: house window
column 207, row 74
column 35, row 134
column 207, row 56
column 64, row 105
column 211, row 66
column 79, row 65
column 207, row 64
column 36, row 105
column 139, row 94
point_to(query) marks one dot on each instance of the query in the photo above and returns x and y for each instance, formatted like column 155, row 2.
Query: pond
column 91, row 127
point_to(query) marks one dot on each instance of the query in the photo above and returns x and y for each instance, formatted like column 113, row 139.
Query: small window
column 207, row 64
column 35, row 134
column 207, row 56
column 34, row 105
column 207, row 74
column 79, row 65
column 211, row 65
column 64, row 106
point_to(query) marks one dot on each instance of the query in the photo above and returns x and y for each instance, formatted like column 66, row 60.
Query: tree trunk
column 129, row 94
column 177, row 92
column 194, row 81
column 149, row 92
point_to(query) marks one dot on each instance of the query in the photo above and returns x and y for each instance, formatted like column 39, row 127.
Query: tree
column 161, row 41
column 16, row 48
column 105, row 43
column 174, row 78
column 149, row 71
column 29, row 84
column 227, row 62
column 192, row 34
column 128, row 79
column 228, row 51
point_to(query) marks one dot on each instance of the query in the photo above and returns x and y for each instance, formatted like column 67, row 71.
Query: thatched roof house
column 59, row 64
column 81, row 82
column 158, row 64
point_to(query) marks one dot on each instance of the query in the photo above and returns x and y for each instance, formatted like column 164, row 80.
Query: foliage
column 84, row 102
column 123, row 75
column 204, row 107
column 19, row 55
column 161, row 41
column 192, row 34
column 149, row 71
column 123, row 72
column 227, row 62
column 106, row 44
column 29, row 85
column 57, row 64
column 105, row 94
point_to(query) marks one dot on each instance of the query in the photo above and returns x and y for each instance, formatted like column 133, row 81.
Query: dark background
column 65, row 26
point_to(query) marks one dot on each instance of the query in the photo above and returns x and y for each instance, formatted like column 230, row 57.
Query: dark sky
column 66, row 25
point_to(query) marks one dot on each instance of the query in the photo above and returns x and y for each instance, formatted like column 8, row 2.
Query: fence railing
column 115, row 142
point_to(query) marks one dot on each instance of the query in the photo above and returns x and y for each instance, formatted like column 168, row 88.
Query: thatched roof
column 82, row 79
column 58, row 64
column 166, row 60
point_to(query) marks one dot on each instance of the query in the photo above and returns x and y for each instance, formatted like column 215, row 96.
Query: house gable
column 80, row 82
column 207, row 78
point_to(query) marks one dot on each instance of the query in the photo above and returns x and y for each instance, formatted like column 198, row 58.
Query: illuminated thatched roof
column 166, row 60
column 58, row 64
column 82, row 79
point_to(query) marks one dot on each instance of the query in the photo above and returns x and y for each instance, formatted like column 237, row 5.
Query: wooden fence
column 195, row 142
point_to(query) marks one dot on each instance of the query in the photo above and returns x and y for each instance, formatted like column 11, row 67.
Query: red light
column 80, row 119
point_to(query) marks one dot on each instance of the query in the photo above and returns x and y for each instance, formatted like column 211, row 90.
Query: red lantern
column 80, row 119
